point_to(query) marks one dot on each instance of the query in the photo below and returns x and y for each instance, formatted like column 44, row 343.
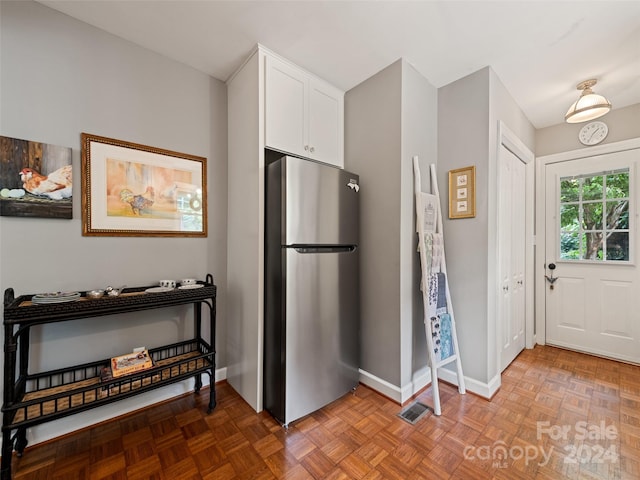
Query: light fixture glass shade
column 589, row 106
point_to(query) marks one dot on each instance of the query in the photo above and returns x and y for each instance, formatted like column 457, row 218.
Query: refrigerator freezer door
column 320, row 204
column 322, row 349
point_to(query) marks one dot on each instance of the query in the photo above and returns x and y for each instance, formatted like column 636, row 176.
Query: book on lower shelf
column 130, row 363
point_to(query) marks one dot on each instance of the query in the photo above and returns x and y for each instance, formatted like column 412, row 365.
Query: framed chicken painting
column 130, row 189
column 35, row 179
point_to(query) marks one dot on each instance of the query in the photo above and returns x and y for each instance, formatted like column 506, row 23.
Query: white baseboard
column 485, row 390
column 221, row 374
column 57, row 428
column 381, row 386
column 422, row 379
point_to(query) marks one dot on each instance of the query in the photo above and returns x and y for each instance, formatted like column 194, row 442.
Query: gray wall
column 623, row 123
column 419, row 137
column 503, row 108
column 463, row 140
column 469, row 111
column 389, row 118
column 61, row 77
column 372, row 149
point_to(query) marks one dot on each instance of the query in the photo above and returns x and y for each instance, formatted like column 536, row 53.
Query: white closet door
column 512, row 249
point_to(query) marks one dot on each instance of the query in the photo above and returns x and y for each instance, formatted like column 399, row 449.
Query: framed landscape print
column 136, row 190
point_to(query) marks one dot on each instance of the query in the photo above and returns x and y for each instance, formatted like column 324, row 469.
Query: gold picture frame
column 462, row 192
column 135, row 190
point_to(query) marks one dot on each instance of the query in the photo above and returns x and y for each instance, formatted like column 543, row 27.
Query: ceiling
column 540, row 50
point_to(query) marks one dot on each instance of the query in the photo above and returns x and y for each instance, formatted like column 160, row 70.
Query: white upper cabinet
column 286, row 108
column 304, row 115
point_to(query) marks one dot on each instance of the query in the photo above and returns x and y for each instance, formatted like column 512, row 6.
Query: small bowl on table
column 95, row 293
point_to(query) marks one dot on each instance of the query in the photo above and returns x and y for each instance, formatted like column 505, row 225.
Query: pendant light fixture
column 589, row 106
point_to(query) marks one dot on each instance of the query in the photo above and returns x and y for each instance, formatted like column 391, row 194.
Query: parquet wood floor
column 558, row 414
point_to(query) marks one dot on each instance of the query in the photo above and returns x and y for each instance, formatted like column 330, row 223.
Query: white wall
column 245, row 232
column 61, row 77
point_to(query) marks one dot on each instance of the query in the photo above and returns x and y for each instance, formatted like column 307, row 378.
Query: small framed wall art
column 462, row 192
column 35, row 179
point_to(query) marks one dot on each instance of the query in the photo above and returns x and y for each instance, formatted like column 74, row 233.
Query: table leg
column 7, row 455
column 21, row 441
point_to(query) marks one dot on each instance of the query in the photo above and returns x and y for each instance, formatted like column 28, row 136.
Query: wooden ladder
column 439, row 322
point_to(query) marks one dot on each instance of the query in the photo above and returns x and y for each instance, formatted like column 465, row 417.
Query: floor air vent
column 414, row 412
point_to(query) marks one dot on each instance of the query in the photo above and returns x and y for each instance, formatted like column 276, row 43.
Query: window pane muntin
column 599, row 204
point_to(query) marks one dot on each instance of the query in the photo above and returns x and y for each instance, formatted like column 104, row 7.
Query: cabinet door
column 326, row 123
column 285, row 108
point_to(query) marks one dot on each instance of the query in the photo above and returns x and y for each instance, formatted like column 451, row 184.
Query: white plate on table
column 159, row 289
column 190, row 286
column 57, row 297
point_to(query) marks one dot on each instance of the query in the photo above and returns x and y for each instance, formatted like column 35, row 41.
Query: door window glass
column 594, row 217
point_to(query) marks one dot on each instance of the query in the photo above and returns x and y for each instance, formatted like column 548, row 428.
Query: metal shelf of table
column 34, row 398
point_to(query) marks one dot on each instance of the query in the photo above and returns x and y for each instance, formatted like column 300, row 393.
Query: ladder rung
column 447, row 361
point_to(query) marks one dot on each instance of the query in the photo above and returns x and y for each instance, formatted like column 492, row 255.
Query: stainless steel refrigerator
column 312, row 313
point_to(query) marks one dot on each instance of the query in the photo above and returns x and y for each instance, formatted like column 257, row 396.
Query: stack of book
column 122, row 366
column 130, row 363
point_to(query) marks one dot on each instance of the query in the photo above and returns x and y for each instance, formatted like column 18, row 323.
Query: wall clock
column 593, row 133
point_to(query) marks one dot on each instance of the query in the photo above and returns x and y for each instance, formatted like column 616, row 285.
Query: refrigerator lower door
column 322, row 349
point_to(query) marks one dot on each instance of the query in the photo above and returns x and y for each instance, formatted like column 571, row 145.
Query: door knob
column 550, row 278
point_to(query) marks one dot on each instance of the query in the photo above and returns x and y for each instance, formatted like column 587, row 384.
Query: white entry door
column 592, row 294
column 512, row 249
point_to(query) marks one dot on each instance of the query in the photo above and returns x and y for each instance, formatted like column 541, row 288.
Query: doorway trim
column 540, row 252
column 509, row 140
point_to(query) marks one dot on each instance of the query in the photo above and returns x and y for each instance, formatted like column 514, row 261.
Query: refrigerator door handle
column 325, row 249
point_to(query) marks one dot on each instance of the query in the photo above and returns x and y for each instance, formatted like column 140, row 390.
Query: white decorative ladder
column 439, row 322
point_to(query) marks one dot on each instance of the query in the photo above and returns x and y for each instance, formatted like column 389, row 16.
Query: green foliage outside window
column 594, row 217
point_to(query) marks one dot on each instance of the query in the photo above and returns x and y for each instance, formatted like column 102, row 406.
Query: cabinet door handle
column 306, row 147
column 312, row 149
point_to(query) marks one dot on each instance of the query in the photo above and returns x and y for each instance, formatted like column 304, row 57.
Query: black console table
column 34, row 398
